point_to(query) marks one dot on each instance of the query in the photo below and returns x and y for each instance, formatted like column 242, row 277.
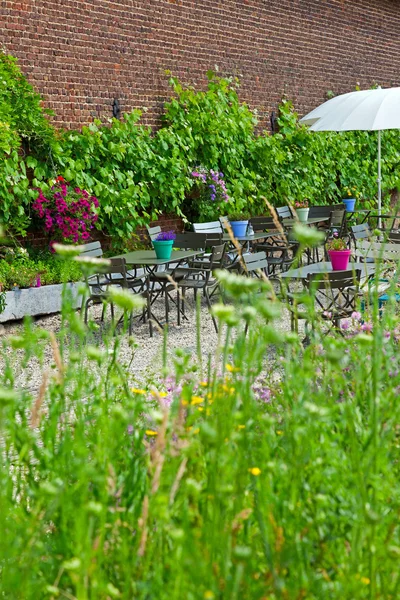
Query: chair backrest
column 190, row 240
column 217, row 257
column 323, row 211
column 361, row 232
column 153, row 231
column 335, row 280
column 378, row 250
column 394, row 237
column 255, row 262
column 105, row 277
column 284, row 212
column 224, row 222
column 92, row 249
column 260, row 224
column 337, row 217
column 210, row 227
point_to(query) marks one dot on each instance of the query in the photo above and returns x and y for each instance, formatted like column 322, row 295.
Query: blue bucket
column 349, row 204
column 239, row 228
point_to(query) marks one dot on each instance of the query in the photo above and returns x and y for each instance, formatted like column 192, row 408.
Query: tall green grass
column 207, row 484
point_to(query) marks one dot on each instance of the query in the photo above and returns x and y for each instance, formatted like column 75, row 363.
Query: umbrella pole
column 379, row 180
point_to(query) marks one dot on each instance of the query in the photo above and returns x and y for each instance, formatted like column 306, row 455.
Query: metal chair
column 114, row 274
column 256, row 264
column 153, row 231
column 210, row 227
column 94, row 250
column 274, row 245
column 334, row 295
column 284, row 212
column 201, row 279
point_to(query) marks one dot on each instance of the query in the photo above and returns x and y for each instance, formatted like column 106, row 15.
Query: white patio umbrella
column 369, row 110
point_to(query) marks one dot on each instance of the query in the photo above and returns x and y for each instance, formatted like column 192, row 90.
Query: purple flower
column 356, row 316
column 165, row 236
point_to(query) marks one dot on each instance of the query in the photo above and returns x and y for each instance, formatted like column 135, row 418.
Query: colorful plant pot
column 339, row 259
column 163, row 249
column 239, row 228
column 349, row 204
column 302, row 214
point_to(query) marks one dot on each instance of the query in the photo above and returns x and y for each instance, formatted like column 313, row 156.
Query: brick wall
column 81, row 54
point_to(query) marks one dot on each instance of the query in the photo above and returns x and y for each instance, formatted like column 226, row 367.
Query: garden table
column 312, row 221
column 148, row 260
column 325, row 267
column 251, row 238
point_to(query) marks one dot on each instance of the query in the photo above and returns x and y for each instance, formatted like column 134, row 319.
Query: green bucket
column 163, row 249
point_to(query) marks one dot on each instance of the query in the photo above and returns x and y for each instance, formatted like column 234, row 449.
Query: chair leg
column 166, row 299
column 86, row 310
column 178, row 303
column 103, row 312
column 209, row 306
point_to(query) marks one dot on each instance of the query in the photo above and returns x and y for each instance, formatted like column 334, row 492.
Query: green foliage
column 236, row 487
column 18, row 268
column 25, row 138
column 137, row 173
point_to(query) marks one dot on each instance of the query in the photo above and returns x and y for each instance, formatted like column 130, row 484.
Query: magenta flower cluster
column 214, row 184
column 68, row 212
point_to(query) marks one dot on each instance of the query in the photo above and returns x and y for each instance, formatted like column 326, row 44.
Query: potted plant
column 239, row 222
column 338, row 253
column 351, row 196
column 163, row 244
column 302, row 210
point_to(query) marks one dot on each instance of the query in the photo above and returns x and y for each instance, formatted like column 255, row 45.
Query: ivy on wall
column 137, row 173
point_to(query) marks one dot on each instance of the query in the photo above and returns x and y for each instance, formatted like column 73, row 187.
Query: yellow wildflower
column 255, row 471
column 241, row 426
column 160, row 394
column 208, row 595
column 200, row 408
column 151, row 432
column 203, row 383
column 196, row 400
column 138, row 391
column 279, row 432
column 231, row 368
column 365, row 580
column 184, row 402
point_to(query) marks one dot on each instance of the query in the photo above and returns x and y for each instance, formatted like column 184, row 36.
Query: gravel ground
column 147, row 360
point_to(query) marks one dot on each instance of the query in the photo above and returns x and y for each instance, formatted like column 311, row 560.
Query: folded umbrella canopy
column 369, row 110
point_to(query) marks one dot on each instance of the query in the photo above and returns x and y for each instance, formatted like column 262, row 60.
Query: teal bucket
column 163, row 249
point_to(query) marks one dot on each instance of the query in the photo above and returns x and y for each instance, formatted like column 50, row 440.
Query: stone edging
column 43, row 300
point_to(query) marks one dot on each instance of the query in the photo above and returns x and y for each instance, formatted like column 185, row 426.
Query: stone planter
column 44, row 300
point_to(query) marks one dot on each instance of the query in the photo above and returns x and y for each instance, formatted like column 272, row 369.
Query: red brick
column 102, row 49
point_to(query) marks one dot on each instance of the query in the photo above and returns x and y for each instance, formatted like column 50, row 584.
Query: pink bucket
column 339, row 259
